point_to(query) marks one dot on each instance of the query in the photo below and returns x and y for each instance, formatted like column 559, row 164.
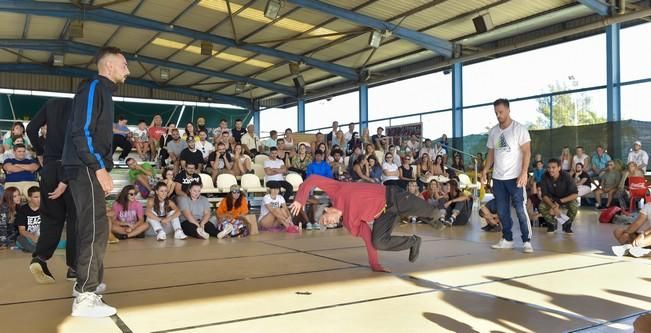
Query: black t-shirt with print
column 28, row 218
column 185, row 180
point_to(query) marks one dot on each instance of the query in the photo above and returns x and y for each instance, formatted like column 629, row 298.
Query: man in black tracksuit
column 57, row 206
column 87, row 161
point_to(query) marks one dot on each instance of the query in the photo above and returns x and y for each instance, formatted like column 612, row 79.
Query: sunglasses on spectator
column 132, row 194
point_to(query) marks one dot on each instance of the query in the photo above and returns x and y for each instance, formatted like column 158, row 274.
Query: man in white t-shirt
column 349, row 135
column 639, row 156
column 509, row 152
column 636, row 237
column 274, row 212
column 275, row 171
column 581, row 157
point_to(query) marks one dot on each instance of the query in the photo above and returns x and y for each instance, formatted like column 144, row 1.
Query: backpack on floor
column 608, row 214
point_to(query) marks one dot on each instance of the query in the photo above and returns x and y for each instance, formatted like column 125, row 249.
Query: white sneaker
column 179, row 234
column 309, row 226
column 101, row 288
column 527, row 248
column 639, row 252
column 160, row 235
column 91, row 305
column 202, row 233
column 316, row 226
column 503, row 245
column 620, row 250
column 227, row 230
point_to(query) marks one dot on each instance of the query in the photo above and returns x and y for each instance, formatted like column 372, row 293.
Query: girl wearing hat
column 231, row 212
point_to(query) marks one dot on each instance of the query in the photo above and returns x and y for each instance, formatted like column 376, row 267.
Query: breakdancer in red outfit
column 360, row 204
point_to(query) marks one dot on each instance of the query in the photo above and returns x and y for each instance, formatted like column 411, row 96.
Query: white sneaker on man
column 91, row 305
column 527, row 248
column 202, row 233
column 503, row 245
column 620, row 250
column 179, row 234
column 101, row 288
column 227, row 230
column 160, row 235
column 638, row 252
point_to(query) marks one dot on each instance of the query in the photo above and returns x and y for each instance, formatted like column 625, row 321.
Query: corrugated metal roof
column 448, row 20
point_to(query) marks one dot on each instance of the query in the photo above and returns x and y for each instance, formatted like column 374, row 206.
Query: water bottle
column 300, row 227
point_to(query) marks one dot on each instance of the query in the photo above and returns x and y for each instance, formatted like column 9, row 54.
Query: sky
column 575, row 64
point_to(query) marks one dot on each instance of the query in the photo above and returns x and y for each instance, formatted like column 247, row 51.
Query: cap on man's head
column 190, row 138
column 637, row 143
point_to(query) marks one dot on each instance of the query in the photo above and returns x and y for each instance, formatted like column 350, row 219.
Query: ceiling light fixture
column 375, row 40
column 272, row 9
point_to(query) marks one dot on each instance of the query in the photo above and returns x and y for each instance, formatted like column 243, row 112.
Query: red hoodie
column 359, row 202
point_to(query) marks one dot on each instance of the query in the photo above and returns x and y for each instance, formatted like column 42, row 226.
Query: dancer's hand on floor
column 295, row 208
column 378, row 268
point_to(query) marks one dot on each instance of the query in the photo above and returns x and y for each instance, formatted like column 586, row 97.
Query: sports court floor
column 317, row 282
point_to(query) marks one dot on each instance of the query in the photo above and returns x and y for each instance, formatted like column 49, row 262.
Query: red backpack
column 608, row 214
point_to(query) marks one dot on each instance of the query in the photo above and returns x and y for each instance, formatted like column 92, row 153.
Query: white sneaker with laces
column 179, row 234
column 620, row 250
column 503, row 245
column 639, row 251
column 160, row 235
column 227, row 230
column 101, row 288
column 527, row 248
column 91, row 305
column 202, row 233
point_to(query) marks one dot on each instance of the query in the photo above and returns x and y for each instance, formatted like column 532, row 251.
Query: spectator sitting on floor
column 274, row 213
column 319, row 166
column 168, row 179
column 231, row 221
column 434, row 194
column 609, row 183
column 141, row 140
column 163, row 214
column 155, row 132
column 457, row 207
column 488, row 213
column 639, row 156
column 191, row 155
column 196, row 219
column 28, row 221
column 185, row 178
column 20, row 168
column 141, row 175
column 129, row 216
column 599, row 162
column 635, row 237
column 164, row 139
column 558, row 191
column 582, row 179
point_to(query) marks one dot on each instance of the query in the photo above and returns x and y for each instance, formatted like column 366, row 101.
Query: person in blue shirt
column 539, row 171
column 599, row 162
column 121, row 137
column 20, row 169
column 319, row 166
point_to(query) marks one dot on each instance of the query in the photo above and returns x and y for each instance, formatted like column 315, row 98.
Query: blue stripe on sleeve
column 89, row 113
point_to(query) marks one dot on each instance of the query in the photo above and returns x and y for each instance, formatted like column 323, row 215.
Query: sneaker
column 179, row 234
column 202, row 233
column 639, row 251
column 309, row 226
column 620, row 250
column 40, row 271
column 551, row 228
column 227, row 230
column 527, row 248
column 160, row 235
column 414, row 250
column 91, row 305
column 292, row 229
column 112, row 239
column 101, row 288
column 316, row 226
column 71, row 275
column 449, row 221
column 503, row 245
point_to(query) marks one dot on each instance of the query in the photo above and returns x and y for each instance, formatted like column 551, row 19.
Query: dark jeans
column 92, row 229
column 122, row 142
column 289, row 189
column 54, row 213
column 508, row 193
column 26, row 244
column 190, row 229
column 399, row 203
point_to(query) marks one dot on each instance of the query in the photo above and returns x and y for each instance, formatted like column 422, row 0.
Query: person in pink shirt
column 156, row 130
column 128, row 215
column 359, row 204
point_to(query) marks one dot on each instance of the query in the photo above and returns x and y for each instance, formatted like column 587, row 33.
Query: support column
column 363, row 107
column 256, row 121
column 613, row 91
column 457, row 105
column 300, row 109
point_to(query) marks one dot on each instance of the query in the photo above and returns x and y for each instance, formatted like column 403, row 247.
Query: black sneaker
column 40, row 271
column 121, row 236
column 71, row 275
column 414, row 250
column 449, row 221
column 567, row 228
column 551, row 228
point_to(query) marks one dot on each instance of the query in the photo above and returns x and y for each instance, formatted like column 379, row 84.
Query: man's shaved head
column 112, row 64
